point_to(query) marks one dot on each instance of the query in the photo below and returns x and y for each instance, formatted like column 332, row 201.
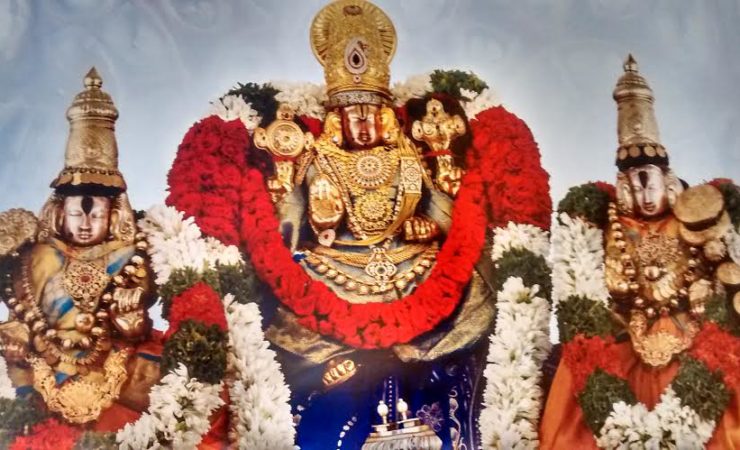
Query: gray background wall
column 552, row 63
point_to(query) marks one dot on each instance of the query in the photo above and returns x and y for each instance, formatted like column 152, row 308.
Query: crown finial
column 92, row 79
column 630, row 64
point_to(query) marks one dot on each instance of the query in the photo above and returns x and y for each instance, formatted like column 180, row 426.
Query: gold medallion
column 85, row 282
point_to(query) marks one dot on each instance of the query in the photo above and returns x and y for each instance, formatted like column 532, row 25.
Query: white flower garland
column 479, row 102
column 577, row 257
column 306, row 99
column 177, row 243
column 6, row 386
column 231, row 107
column 179, row 411
column 519, row 236
column 413, row 87
column 259, row 396
column 670, row 425
column 512, row 399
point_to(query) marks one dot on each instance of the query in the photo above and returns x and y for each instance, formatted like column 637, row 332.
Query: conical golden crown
column 91, row 156
column 637, row 127
column 355, row 41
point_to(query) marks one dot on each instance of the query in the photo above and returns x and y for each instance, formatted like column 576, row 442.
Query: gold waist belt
column 396, row 256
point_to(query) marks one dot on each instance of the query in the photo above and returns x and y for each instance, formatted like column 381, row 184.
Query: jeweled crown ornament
column 355, row 41
column 637, row 127
column 91, row 156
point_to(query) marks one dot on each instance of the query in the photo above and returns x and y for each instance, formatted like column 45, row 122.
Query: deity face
column 85, row 219
column 361, row 125
column 649, row 190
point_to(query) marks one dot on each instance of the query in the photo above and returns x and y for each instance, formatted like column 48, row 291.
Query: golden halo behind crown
column 355, row 41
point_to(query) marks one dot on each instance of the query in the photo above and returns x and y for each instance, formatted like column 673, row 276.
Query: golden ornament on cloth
column 81, row 400
column 657, row 349
column 355, row 41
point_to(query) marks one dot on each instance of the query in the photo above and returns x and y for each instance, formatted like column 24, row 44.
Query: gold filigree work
column 81, row 400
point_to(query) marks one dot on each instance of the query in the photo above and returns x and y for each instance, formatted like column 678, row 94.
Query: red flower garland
column 583, row 355
column 212, row 180
column 719, row 349
column 517, row 187
column 200, row 303
column 48, row 435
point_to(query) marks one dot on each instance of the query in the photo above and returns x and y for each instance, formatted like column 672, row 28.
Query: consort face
column 649, row 190
column 86, row 219
column 361, row 125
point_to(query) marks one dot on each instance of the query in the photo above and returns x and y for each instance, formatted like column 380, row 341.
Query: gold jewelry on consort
column 17, row 226
column 325, row 266
column 654, row 253
column 52, row 345
column 81, row 400
column 657, row 349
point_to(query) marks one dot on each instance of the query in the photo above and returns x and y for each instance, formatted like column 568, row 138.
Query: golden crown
column 91, row 157
column 637, row 126
column 355, row 41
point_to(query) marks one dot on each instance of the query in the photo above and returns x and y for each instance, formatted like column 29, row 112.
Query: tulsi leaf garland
column 214, row 180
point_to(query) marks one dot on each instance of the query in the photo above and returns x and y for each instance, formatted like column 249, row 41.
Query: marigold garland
column 214, row 180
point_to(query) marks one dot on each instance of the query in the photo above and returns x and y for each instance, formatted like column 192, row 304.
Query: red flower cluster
column 583, row 355
column 516, row 185
column 205, row 179
column 719, row 350
column 607, row 188
column 48, row 435
column 244, row 214
column 200, row 303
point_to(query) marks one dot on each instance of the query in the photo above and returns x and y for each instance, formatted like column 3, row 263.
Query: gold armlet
column 285, row 141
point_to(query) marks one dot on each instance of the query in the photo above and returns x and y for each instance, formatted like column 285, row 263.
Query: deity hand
column 14, row 341
column 449, row 176
column 338, row 370
column 326, row 207
column 420, row 229
column 127, row 312
column 281, row 183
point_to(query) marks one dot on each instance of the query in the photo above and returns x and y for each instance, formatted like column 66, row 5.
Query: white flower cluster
column 178, row 414
column 520, row 236
column 669, row 426
column 306, row 99
column 577, row 257
column 414, row 86
column 6, row 386
column 732, row 240
column 478, row 102
column 512, row 399
column 259, row 396
column 177, row 243
column 232, row 107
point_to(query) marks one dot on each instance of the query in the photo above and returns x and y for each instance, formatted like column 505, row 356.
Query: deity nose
column 85, row 225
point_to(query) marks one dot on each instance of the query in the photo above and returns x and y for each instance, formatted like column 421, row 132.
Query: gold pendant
column 85, row 282
column 380, row 267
